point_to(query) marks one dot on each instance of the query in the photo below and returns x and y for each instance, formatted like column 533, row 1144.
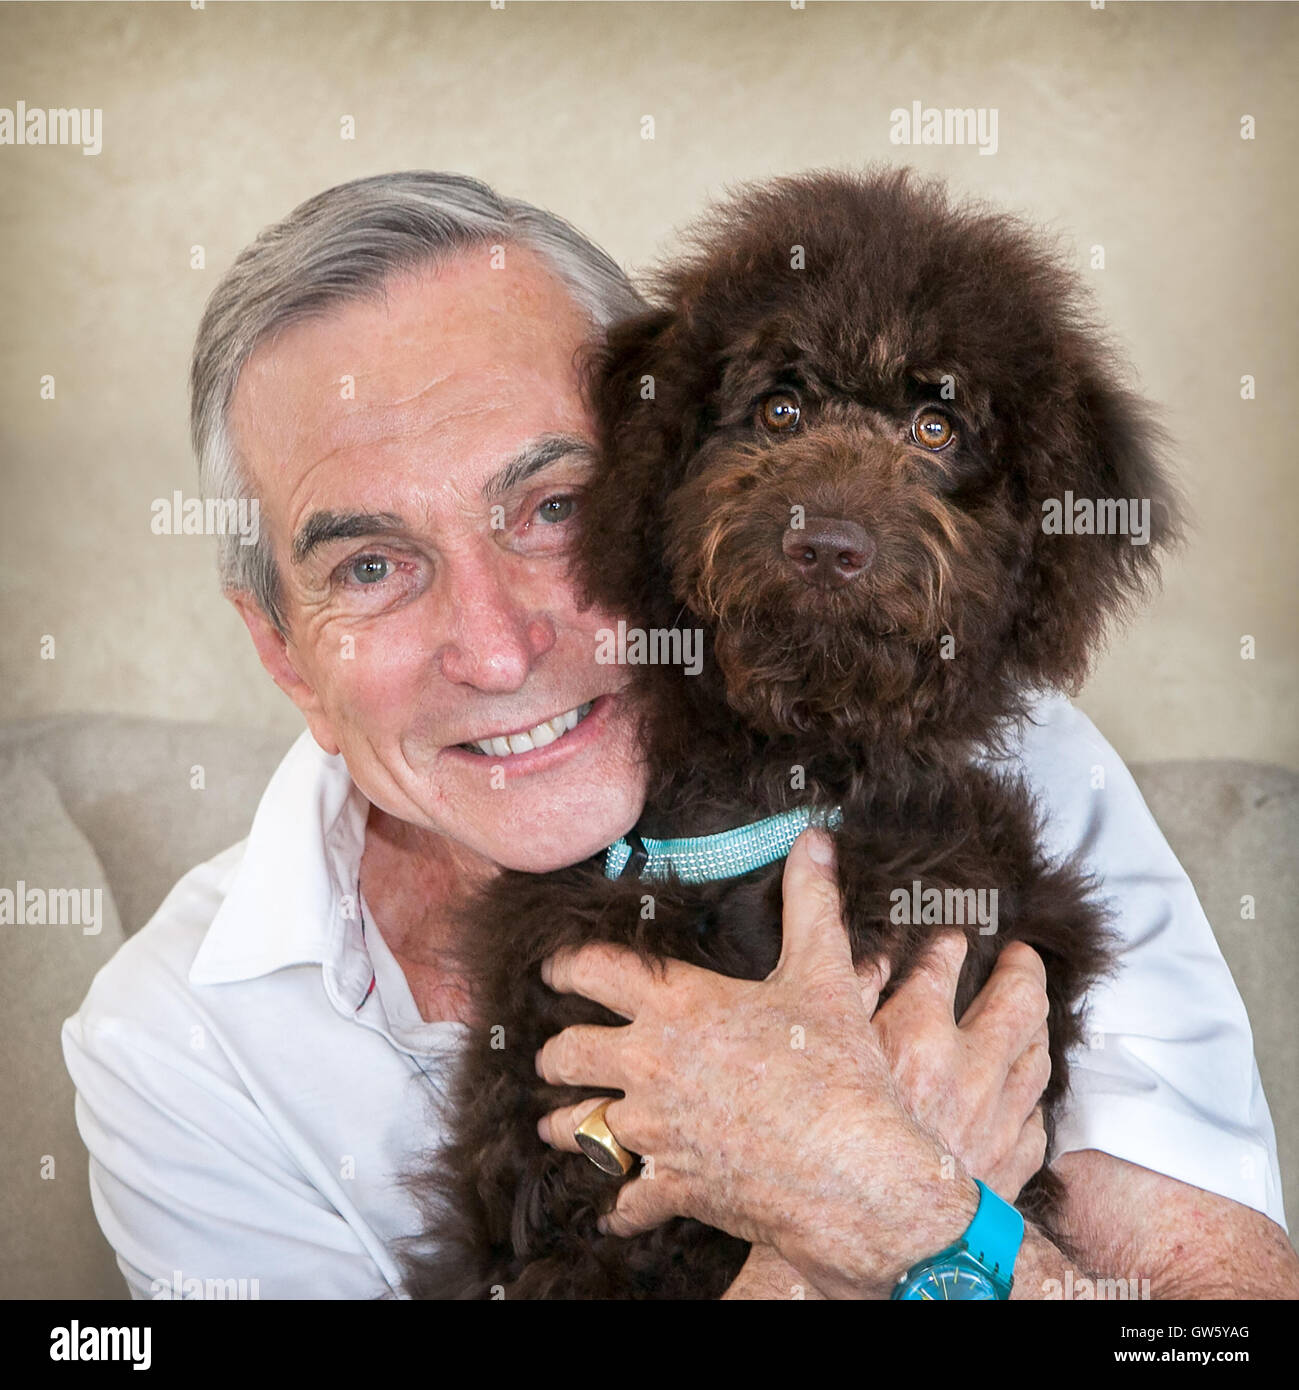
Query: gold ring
column 596, row 1141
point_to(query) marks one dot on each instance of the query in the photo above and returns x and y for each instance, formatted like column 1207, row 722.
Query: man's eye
column 556, row 509
column 369, row 569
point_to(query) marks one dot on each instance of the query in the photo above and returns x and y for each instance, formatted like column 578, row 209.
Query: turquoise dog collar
column 706, row 858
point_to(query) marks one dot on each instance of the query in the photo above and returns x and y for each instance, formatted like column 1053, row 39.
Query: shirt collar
column 294, row 896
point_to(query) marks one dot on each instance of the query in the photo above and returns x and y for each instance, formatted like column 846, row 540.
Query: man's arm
column 1128, row 1222
column 186, row 1177
column 187, row 1172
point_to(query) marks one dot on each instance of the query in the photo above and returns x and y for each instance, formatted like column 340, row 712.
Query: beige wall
column 1117, row 127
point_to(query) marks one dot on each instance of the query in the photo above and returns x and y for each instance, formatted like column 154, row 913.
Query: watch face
column 948, row 1280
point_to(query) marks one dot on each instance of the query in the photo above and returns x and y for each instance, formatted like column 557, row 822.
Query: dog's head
column 873, row 444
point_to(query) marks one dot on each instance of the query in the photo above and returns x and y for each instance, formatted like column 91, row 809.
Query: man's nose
column 496, row 635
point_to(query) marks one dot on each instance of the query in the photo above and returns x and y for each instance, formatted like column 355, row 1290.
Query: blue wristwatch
column 979, row 1266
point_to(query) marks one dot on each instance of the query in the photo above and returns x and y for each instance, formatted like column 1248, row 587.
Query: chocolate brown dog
column 856, row 444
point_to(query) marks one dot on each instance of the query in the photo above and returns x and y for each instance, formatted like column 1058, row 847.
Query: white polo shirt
column 253, row 1076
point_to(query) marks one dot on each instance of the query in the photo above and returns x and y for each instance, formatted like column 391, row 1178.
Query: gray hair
column 340, row 246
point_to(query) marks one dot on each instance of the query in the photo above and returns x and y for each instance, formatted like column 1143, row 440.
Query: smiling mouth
column 548, row 731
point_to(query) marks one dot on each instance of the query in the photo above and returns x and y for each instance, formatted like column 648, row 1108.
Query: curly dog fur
column 828, row 446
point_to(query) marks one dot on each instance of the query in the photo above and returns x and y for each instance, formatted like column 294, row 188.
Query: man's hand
column 766, row 1108
column 976, row 1086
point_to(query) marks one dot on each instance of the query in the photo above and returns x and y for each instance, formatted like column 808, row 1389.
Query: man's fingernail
column 820, row 848
column 543, row 1129
column 545, row 971
column 602, row 1225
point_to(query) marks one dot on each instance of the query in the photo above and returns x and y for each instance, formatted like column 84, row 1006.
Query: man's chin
column 545, row 856
column 570, row 803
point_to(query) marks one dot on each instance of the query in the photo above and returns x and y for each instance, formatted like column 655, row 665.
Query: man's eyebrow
column 537, row 454
column 322, row 527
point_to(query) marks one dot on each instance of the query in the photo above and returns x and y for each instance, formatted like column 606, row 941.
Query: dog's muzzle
column 828, row 552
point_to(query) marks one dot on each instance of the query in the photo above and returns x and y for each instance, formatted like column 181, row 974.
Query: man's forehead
column 439, row 350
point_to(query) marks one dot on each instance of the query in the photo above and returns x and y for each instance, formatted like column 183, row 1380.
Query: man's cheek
column 365, row 694
column 380, row 695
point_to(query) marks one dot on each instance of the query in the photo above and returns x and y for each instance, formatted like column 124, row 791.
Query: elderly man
column 391, row 372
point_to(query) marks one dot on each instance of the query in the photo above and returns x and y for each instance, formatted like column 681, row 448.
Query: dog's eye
column 932, row 429
column 780, row 412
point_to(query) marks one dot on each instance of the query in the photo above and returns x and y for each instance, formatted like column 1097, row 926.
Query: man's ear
column 273, row 651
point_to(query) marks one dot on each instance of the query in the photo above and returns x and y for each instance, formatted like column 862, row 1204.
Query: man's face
column 414, row 462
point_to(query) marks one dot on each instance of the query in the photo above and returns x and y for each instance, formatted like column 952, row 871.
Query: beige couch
column 101, row 800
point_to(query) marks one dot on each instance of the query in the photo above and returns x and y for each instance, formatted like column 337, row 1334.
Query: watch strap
column 995, row 1234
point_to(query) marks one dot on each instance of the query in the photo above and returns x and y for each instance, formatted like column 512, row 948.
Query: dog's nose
column 828, row 552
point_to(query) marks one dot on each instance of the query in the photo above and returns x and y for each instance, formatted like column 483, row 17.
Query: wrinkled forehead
column 439, row 363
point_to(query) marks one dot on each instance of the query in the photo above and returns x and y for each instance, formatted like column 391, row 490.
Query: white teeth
column 546, row 732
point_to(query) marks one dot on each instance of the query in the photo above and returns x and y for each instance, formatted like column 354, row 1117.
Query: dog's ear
column 648, row 393
column 1104, row 514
